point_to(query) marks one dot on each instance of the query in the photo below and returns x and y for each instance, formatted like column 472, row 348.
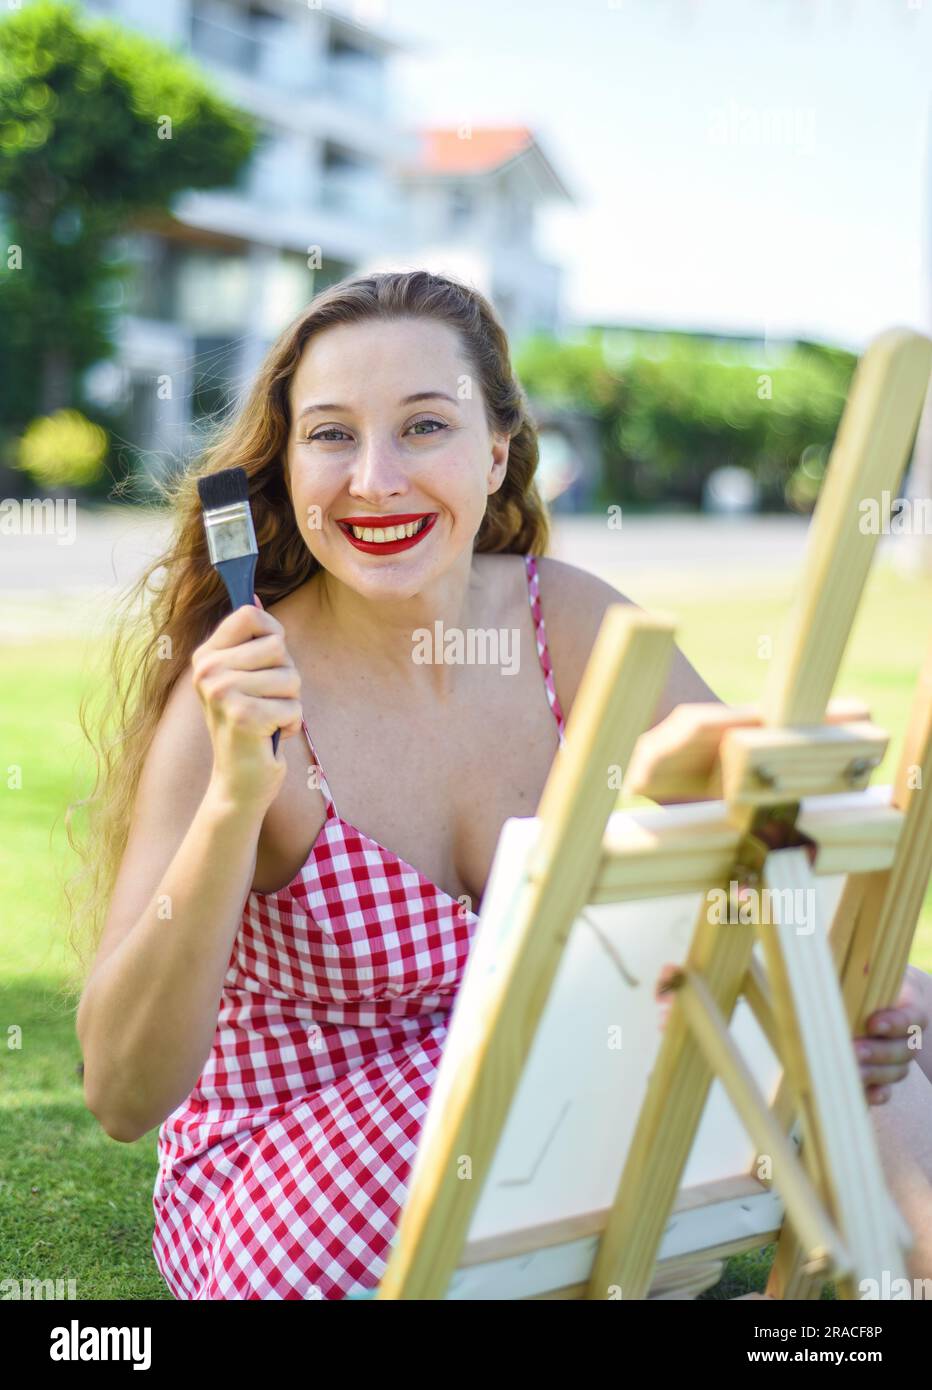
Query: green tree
column 97, row 125
column 671, row 407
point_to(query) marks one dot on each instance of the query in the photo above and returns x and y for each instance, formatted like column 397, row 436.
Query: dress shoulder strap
column 543, row 651
column 321, row 780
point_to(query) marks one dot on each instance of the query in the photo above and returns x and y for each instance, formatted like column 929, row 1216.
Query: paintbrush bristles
column 223, row 489
column 227, row 515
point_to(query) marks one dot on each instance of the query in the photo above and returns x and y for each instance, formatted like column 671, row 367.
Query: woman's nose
column 378, row 469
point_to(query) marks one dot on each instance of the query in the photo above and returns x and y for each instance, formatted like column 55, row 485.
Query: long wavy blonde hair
column 179, row 599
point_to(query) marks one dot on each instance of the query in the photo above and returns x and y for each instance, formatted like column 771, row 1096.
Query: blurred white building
column 471, row 195
column 337, row 185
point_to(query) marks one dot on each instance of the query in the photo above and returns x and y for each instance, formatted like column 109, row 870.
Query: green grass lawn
column 74, row 1204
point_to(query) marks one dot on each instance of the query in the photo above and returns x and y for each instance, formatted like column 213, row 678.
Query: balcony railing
column 357, row 81
column 275, row 57
column 274, row 54
column 356, row 195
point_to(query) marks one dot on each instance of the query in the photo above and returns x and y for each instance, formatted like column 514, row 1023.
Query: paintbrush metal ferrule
column 230, row 532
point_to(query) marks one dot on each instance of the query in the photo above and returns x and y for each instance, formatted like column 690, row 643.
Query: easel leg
column 670, row 1115
column 822, row 1071
column 870, row 940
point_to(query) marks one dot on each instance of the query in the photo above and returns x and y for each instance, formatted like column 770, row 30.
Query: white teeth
column 389, row 533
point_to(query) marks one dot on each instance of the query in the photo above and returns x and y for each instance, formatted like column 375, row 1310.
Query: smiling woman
column 272, row 984
column 381, row 461
column 385, row 534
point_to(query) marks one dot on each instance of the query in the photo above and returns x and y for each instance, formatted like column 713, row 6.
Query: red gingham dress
column 283, row 1173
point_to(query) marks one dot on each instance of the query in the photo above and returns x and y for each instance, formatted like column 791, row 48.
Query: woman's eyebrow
column 406, row 400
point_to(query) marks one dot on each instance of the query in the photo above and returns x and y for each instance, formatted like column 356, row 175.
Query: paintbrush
column 231, row 536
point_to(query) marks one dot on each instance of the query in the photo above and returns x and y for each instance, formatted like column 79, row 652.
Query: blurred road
column 68, row 587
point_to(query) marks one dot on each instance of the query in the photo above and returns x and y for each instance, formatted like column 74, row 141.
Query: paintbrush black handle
column 239, row 577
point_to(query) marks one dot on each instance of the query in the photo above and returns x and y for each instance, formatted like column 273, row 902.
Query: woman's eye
column 330, row 430
column 438, row 423
column 328, row 434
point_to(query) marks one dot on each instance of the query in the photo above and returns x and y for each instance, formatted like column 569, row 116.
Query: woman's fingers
column 668, row 973
column 678, row 758
column 258, row 653
column 884, row 1052
column 883, row 1076
column 680, row 752
column 883, row 1061
column 897, row 1022
column 242, row 625
column 663, row 994
column 889, row 1043
column 846, row 709
column 276, row 681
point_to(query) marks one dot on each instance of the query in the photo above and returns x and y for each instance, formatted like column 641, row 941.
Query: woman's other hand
column 883, row 1053
column 891, row 1041
column 677, row 759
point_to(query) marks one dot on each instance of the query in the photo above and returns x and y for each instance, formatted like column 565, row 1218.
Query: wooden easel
column 795, row 803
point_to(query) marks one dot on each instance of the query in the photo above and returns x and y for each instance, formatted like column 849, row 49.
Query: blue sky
column 761, row 166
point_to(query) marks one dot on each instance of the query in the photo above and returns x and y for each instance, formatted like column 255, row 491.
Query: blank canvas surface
column 564, row 1142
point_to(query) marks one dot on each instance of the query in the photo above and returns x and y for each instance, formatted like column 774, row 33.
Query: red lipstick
column 346, row 523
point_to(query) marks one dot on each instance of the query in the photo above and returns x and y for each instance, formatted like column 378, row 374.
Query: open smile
column 393, row 533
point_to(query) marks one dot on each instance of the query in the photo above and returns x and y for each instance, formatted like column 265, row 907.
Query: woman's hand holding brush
column 149, row 1010
column 249, row 687
column 231, row 537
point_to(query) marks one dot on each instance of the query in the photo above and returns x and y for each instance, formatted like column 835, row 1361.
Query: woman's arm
column 148, row 1013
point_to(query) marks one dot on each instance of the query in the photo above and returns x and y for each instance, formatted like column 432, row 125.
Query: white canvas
column 574, row 1112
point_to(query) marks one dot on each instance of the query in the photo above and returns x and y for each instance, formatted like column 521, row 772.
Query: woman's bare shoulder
column 574, row 603
column 576, row 592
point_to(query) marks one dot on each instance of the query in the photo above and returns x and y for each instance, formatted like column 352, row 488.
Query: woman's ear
column 501, row 444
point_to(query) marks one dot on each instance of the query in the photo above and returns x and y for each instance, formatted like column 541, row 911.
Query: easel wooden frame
column 841, row 1222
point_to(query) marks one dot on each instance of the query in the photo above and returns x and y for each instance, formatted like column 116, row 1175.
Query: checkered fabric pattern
column 283, row 1174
